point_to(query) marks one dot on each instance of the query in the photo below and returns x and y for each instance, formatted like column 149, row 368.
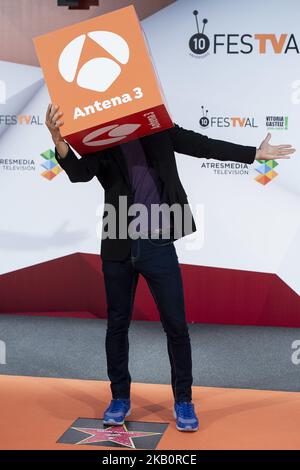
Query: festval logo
column 132, row 434
column 99, row 73
column 115, row 133
column 50, row 164
column 226, row 121
column 266, row 171
column 201, row 45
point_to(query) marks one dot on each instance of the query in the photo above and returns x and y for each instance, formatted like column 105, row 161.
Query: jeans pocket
column 160, row 241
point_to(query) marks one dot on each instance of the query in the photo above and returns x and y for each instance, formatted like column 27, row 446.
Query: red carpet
column 35, row 412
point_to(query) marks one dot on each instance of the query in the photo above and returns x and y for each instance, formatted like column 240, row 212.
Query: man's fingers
column 52, row 116
column 56, row 116
column 285, row 151
column 282, row 146
column 268, row 137
column 48, row 112
column 54, row 109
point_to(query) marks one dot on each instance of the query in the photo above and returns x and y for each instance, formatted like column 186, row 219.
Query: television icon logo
column 199, row 43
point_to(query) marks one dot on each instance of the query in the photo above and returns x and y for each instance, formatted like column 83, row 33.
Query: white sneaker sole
column 116, row 423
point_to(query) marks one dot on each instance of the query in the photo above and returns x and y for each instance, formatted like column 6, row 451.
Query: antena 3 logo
column 201, row 45
column 99, row 73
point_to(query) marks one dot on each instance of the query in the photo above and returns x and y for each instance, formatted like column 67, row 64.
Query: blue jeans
column 156, row 260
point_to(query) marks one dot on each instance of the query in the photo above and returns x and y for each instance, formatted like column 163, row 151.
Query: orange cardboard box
column 100, row 73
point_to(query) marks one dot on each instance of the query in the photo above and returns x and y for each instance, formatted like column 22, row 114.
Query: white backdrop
column 246, row 225
column 243, row 224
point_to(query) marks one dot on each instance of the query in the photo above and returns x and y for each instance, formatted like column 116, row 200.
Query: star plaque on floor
column 131, row 434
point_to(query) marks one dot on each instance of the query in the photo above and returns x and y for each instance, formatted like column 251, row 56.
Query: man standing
column 144, row 172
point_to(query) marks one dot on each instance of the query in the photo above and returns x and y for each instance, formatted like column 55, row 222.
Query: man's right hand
column 53, row 122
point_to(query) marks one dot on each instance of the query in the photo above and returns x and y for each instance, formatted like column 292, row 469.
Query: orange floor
column 35, row 412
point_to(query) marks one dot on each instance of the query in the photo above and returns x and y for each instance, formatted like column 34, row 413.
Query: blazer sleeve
column 80, row 169
column 198, row 145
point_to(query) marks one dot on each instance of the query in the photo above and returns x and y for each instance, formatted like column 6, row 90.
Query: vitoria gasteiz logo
column 50, row 164
column 114, row 133
column 201, row 44
column 280, row 123
column 98, row 73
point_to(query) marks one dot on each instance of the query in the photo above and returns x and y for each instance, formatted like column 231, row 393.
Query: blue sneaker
column 186, row 418
column 116, row 412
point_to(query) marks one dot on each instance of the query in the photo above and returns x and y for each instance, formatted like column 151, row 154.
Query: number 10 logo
column 199, row 42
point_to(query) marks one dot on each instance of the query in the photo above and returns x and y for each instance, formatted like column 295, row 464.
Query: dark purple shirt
column 144, row 180
column 146, row 185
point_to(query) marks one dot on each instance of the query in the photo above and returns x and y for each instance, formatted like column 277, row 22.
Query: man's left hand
column 267, row 151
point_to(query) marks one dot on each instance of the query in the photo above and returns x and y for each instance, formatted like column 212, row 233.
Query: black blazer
column 110, row 168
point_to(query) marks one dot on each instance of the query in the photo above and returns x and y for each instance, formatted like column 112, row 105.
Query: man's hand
column 267, row 151
column 53, row 122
